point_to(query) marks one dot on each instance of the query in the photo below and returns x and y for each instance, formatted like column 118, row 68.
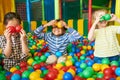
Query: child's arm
column 23, row 40
column 8, row 48
column 92, row 29
column 39, row 30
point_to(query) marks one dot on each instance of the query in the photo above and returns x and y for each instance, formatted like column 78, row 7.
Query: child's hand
column 22, row 35
column 51, row 23
column 64, row 24
column 7, row 34
column 113, row 17
column 98, row 18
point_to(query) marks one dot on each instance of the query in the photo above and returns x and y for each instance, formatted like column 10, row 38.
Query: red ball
column 39, row 54
column 37, row 66
column 55, row 71
column 65, row 68
column 113, row 68
column 78, row 55
column 108, row 71
column 23, row 64
column 107, row 77
column 17, row 72
column 12, row 29
column 78, row 78
column 18, row 28
column 23, row 69
column 73, row 67
column 51, row 76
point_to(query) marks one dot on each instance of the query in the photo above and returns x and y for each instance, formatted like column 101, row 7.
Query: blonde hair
column 95, row 13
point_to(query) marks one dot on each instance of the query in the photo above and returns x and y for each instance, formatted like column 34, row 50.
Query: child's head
column 11, row 19
column 58, row 31
column 101, row 13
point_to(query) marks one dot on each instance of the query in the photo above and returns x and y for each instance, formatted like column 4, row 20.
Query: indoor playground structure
column 80, row 63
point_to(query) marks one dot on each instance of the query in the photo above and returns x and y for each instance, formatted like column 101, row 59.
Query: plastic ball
column 51, row 76
column 83, row 65
column 96, row 67
column 114, row 63
column 59, row 24
column 58, row 54
column 12, row 29
column 2, row 76
column 23, row 64
column 26, row 74
column 100, row 75
column 47, row 54
column 117, row 71
column 58, row 66
column 105, row 61
column 68, row 63
column 88, row 72
column 15, row 77
column 104, row 66
column 108, row 71
column 18, row 28
column 43, row 58
column 90, row 79
column 77, row 64
column 107, row 16
column 13, row 69
column 72, row 72
column 67, row 76
column 34, row 75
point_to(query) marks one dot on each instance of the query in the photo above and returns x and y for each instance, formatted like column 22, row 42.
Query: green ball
column 87, row 74
column 105, row 61
column 2, row 77
column 83, row 65
column 43, row 58
column 80, row 75
column 73, row 60
column 26, row 74
column 107, row 17
column 100, row 75
column 82, row 57
column 35, row 62
column 114, row 63
column 32, row 51
column 36, row 58
column 18, row 67
column 42, row 75
column 45, row 72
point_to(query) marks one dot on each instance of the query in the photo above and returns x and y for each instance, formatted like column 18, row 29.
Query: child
column 14, row 45
column 58, row 39
column 106, row 43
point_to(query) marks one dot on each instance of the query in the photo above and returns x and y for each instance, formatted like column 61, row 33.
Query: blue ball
column 47, row 54
column 42, row 68
column 90, row 63
column 71, row 54
column 67, row 76
column 58, row 54
column 79, row 70
column 117, row 71
column 7, row 73
column 77, row 64
column 24, row 79
column 15, row 77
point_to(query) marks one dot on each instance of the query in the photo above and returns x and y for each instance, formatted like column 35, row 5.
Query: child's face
column 57, row 31
column 102, row 23
column 14, row 22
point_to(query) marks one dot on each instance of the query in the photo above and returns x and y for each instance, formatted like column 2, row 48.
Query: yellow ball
column 30, row 61
column 38, row 71
column 82, row 51
column 34, row 75
column 72, row 72
column 34, row 47
column 13, row 69
column 58, row 66
column 90, row 79
column 59, row 25
column 89, row 47
column 68, row 63
column 39, row 79
column 104, row 66
column 60, row 76
column 84, row 47
column 69, row 57
column 96, row 67
column 118, row 78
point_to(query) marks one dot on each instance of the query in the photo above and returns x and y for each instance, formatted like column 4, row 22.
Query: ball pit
column 79, row 64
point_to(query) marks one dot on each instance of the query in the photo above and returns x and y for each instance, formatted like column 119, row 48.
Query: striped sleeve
column 38, row 32
column 73, row 35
